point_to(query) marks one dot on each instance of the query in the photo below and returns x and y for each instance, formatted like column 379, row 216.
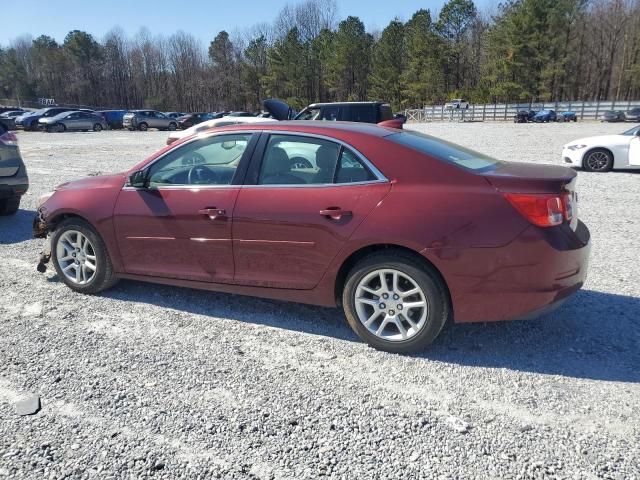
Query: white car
column 457, row 104
column 218, row 122
column 606, row 152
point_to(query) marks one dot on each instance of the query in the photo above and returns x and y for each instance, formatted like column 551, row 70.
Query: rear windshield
column 449, row 152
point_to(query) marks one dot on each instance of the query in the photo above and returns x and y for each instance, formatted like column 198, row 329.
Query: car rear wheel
column 97, row 127
column 9, row 206
column 80, row 257
column 143, row 127
column 598, row 160
column 172, row 127
column 395, row 303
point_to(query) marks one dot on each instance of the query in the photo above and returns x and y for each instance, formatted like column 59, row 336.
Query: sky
column 202, row 18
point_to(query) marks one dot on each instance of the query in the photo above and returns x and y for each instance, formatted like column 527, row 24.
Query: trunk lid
column 515, row 177
column 278, row 109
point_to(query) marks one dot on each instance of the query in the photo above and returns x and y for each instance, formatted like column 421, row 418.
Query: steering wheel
column 300, row 162
column 201, row 175
column 194, row 158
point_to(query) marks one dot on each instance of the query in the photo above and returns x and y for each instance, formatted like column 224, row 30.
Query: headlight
column 576, row 147
column 44, row 198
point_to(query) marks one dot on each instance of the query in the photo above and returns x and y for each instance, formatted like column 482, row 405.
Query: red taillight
column 9, row 138
column 543, row 210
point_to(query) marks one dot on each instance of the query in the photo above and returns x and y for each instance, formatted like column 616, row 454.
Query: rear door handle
column 214, row 213
column 335, row 213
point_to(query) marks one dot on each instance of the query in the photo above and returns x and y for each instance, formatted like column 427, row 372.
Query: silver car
column 74, row 120
column 146, row 119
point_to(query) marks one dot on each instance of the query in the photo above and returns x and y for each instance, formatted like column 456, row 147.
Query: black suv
column 366, row 112
column 13, row 174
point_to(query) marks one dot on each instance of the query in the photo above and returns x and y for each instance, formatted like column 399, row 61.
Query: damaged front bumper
column 41, row 230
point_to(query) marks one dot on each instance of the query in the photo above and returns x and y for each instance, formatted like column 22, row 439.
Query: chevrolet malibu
column 402, row 230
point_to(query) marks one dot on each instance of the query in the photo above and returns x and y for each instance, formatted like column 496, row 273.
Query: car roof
column 329, row 104
column 315, row 127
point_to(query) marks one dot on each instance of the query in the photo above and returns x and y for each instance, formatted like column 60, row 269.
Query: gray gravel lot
column 151, row 381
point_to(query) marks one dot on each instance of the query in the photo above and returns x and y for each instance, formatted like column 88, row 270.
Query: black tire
column 172, row 127
column 143, row 127
column 9, row 206
column 435, row 293
column 104, row 277
column 97, row 127
column 597, row 160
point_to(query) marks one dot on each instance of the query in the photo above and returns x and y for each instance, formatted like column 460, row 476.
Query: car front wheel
column 598, row 160
column 80, row 257
column 395, row 303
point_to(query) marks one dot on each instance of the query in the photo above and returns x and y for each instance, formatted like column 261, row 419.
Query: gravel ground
column 151, row 381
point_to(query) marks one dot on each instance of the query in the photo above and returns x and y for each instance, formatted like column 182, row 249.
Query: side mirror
column 138, row 179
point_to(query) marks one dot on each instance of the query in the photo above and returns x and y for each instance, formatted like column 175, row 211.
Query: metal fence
column 506, row 111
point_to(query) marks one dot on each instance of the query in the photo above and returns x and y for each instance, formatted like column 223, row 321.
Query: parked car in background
column 363, row 112
column 29, row 121
column 174, row 115
column 457, row 104
column 191, row 119
column 545, row 116
column 8, row 118
column 357, row 229
column 215, row 122
column 73, row 121
column 524, row 116
column 145, row 119
column 10, row 109
column 605, row 152
column 113, row 118
column 567, row 117
column 633, row 115
column 613, row 116
column 14, row 181
column 240, row 114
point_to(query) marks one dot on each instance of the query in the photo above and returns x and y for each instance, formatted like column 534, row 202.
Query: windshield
column 633, row 131
column 449, row 152
column 309, row 114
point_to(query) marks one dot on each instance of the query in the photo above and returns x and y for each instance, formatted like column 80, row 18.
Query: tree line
column 525, row 51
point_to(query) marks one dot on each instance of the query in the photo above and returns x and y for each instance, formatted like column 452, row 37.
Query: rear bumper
column 14, row 181
column 13, row 190
column 540, row 268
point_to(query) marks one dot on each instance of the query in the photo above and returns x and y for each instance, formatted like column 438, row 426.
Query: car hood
column 98, row 181
column 600, row 140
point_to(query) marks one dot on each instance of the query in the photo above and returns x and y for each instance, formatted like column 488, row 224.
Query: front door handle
column 335, row 213
column 214, row 213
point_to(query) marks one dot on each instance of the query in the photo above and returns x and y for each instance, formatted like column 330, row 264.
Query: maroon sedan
column 403, row 230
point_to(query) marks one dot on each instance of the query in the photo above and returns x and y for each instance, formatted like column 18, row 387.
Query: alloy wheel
column 76, row 257
column 598, row 161
column 391, row 305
